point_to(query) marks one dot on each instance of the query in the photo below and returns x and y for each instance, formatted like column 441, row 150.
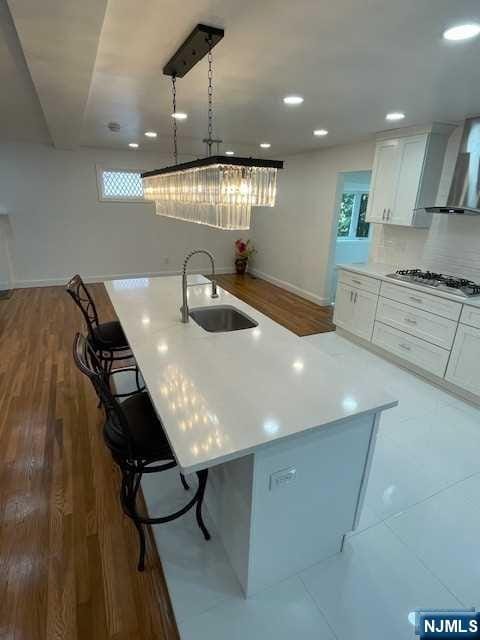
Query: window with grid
column 120, row 185
column 351, row 222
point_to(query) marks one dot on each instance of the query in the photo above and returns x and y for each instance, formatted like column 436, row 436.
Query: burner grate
column 468, row 287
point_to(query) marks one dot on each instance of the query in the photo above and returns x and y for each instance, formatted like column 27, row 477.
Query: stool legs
column 202, row 483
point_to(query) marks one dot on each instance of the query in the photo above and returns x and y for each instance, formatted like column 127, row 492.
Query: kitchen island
column 286, row 432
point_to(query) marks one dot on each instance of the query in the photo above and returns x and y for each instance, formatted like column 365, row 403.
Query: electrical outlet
column 282, row 478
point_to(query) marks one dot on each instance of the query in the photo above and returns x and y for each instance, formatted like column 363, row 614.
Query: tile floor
column 418, row 544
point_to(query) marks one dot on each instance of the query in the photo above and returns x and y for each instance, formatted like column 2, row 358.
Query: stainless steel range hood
column 464, row 196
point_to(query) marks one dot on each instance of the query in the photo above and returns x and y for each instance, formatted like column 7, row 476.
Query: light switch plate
column 282, row 478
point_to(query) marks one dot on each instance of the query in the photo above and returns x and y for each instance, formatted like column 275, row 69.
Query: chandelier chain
column 210, row 96
column 174, row 101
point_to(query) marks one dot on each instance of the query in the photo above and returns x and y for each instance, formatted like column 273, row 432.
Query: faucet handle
column 214, row 289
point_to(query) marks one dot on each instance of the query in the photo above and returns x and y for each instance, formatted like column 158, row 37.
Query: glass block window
column 120, row 185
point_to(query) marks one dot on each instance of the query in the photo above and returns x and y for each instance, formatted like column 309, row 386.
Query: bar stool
column 138, row 445
column 107, row 338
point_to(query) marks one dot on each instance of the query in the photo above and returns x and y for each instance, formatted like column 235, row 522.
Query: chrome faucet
column 184, row 307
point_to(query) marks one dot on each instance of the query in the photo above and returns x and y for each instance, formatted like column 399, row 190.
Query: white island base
column 272, row 513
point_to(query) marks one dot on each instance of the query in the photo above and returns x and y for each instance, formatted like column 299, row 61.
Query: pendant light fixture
column 218, row 190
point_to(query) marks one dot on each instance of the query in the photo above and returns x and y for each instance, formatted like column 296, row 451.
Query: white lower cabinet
column 422, row 324
column 433, row 333
column 355, row 310
column 420, row 353
column 464, row 366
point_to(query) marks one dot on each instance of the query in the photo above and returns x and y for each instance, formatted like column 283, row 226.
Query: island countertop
column 222, row 395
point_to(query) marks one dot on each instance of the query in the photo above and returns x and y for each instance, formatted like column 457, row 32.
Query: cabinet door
column 384, row 181
column 412, row 156
column 464, row 366
column 364, row 309
column 343, row 314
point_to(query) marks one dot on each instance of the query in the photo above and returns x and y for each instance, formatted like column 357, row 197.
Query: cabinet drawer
column 414, row 298
column 421, row 324
column 420, row 353
column 470, row 316
column 359, row 281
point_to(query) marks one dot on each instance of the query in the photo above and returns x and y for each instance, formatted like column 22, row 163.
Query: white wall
column 295, row 240
column 59, row 226
column 5, row 265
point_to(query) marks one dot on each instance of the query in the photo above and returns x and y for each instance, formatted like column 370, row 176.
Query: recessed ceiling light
column 179, row 115
column 265, row 145
column 229, row 153
column 320, row 132
column 151, row 134
column 133, row 145
column 462, row 32
column 395, row 115
column 293, row 100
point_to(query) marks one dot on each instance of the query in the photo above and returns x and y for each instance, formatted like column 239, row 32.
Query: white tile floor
column 418, row 544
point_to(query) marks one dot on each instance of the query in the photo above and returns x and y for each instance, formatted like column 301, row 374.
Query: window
column 119, row 185
column 351, row 222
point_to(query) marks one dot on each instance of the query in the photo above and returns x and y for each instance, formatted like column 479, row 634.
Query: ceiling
column 71, row 68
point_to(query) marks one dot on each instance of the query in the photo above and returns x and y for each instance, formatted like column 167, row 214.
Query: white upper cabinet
column 406, row 175
column 384, row 180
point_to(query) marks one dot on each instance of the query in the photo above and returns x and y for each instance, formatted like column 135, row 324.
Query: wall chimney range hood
column 464, row 196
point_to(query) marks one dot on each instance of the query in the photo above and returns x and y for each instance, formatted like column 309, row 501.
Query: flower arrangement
column 243, row 251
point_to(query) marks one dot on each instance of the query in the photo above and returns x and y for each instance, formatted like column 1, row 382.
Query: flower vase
column 241, row 266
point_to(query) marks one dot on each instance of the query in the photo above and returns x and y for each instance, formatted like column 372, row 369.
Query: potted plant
column 243, row 251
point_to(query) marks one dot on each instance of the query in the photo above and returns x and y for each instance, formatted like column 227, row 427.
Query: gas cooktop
column 450, row 284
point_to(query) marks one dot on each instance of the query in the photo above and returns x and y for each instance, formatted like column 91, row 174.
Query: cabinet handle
column 389, row 214
column 415, row 299
column 405, row 347
column 356, row 281
column 351, row 295
column 383, row 215
column 410, row 321
column 356, row 295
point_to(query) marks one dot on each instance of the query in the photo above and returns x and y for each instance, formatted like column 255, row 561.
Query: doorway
column 352, row 234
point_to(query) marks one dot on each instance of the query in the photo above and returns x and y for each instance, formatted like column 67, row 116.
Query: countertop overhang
column 221, row 396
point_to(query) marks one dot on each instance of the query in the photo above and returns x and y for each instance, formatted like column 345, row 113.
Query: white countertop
column 222, row 395
column 380, row 270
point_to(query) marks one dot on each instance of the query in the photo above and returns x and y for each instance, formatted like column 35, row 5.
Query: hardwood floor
column 293, row 312
column 67, row 553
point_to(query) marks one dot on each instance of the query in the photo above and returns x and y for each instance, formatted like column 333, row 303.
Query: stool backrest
column 78, row 291
column 88, row 363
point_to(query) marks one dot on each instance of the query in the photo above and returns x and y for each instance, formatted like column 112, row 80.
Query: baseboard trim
column 53, row 282
column 308, row 295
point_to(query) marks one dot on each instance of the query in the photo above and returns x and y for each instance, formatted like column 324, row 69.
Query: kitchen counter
column 287, row 433
column 380, row 271
column 221, row 395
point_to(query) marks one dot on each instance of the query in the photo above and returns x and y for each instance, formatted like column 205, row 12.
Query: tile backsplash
column 451, row 245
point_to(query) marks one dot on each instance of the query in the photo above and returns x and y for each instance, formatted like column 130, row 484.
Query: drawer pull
column 410, row 321
column 356, row 281
column 405, row 347
column 415, row 299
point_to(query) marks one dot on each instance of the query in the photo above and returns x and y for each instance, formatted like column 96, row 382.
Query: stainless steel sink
column 221, row 318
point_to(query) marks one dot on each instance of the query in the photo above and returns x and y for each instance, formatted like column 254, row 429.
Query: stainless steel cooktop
column 450, row 284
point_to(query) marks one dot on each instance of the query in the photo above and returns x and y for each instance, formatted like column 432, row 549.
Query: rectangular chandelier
column 217, row 191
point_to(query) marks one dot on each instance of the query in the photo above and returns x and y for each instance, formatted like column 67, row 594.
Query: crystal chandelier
column 218, row 191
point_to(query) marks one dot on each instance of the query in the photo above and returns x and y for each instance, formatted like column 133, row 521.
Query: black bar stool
column 107, row 338
column 137, row 442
